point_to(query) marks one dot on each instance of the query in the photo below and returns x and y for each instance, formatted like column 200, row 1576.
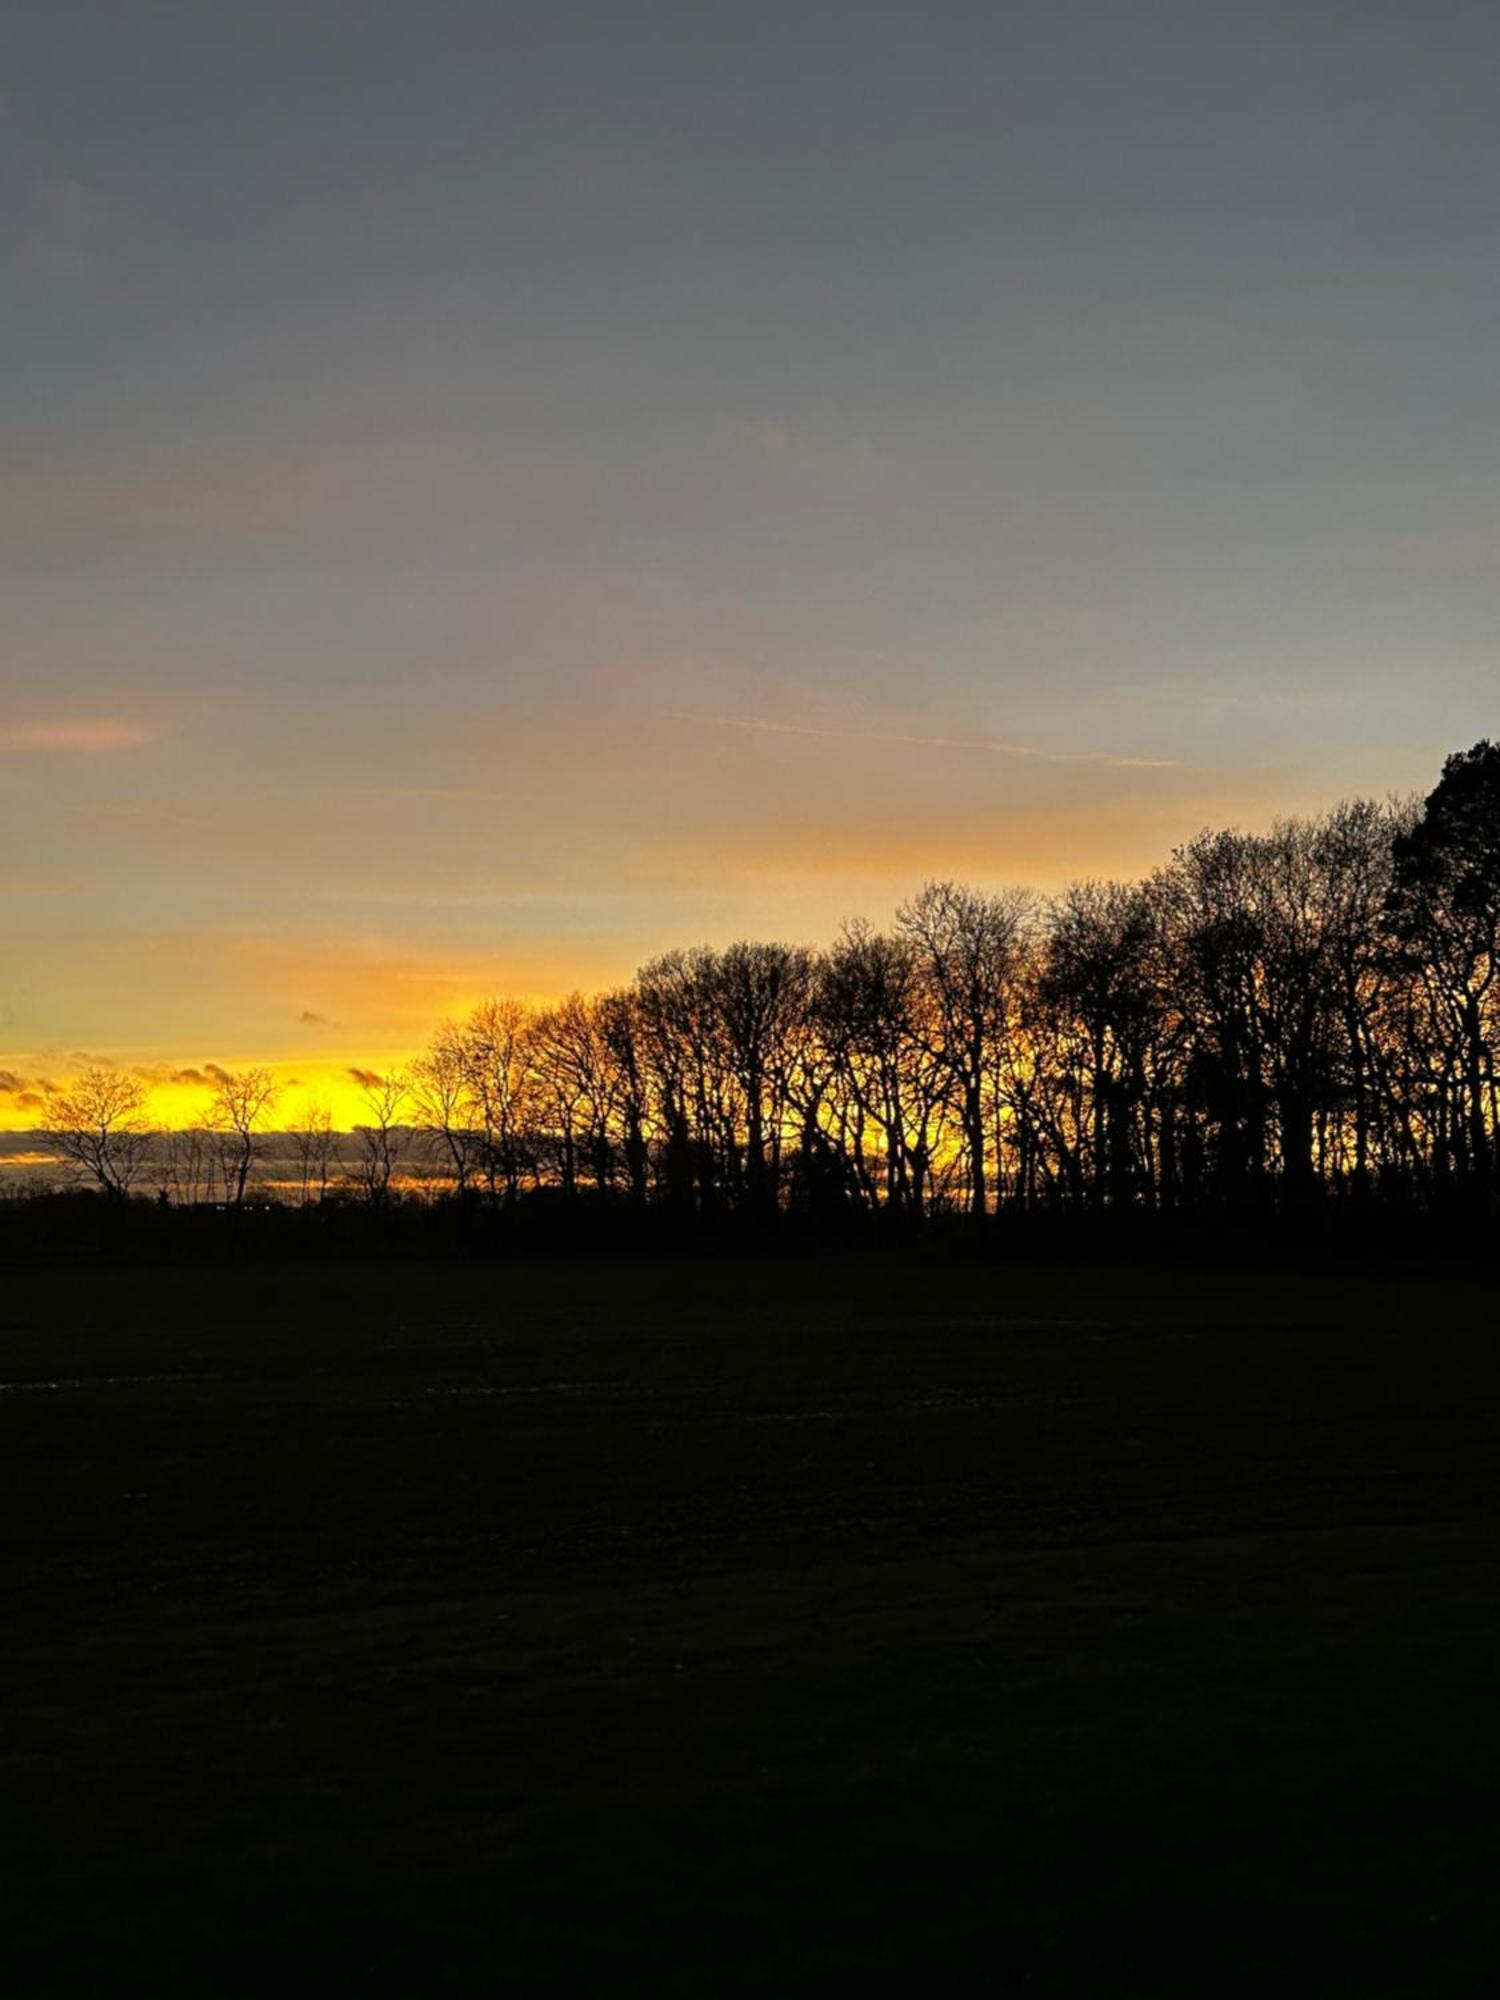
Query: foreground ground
column 706, row 1629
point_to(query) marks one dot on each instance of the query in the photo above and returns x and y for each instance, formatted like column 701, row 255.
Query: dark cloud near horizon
column 30, row 1092
column 27, row 1146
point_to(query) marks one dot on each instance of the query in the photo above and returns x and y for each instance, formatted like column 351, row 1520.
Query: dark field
column 712, row 1628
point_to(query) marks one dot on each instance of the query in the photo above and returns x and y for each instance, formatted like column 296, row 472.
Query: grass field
column 726, row 1629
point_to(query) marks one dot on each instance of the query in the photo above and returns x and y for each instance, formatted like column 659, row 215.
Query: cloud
column 148, row 816
column 19, row 1149
column 28, row 1091
column 367, row 1079
column 166, row 1073
column 308, row 1019
column 251, row 497
column 769, row 436
column 86, row 734
column 993, row 746
column 775, row 442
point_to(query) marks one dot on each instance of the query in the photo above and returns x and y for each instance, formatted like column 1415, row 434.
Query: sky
column 489, row 492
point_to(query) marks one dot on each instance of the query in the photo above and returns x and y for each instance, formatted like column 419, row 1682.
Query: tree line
column 1270, row 1020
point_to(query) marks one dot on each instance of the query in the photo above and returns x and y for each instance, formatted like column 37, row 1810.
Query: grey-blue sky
column 480, row 405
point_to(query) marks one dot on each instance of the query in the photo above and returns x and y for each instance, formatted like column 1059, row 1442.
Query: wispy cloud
column 460, row 794
column 87, row 733
column 149, row 817
column 989, row 745
column 249, row 497
column 773, row 441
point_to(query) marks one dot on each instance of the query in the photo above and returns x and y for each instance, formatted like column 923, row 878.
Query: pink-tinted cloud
column 251, row 496
column 87, row 733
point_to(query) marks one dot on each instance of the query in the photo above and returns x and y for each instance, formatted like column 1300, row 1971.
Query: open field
column 714, row 1628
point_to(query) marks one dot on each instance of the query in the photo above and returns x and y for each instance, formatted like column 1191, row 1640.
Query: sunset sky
column 489, row 492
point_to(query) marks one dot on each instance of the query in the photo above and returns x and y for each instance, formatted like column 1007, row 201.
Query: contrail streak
column 994, row 746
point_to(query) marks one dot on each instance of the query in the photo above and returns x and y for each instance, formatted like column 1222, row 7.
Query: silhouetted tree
column 627, row 1108
column 971, row 950
column 239, row 1101
column 187, row 1165
column 444, row 1102
column 97, row 1125
column 496, row 1057
column 1444, row 911
column 1295, row 1017
column 885, row 1103
column 1101, row 986
column 380, row 1137
column 316, row 1146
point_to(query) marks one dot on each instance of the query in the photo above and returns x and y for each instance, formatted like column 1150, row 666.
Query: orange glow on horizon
column 314, row 1007
column 181, row 1100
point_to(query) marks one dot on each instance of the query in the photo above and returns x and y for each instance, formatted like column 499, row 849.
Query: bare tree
column 1271, row 1018
column 444, row 1105
column 971, row 951
column 562, row 1058
column 380, row 1139
column 316, row 1146
column 1096, row 1038
column 622, row 1050
column 496, row 1058
column 238, row 1102
column 885, row 1103
column 186, row 1162
column 761, row 996
column 97, row 1125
